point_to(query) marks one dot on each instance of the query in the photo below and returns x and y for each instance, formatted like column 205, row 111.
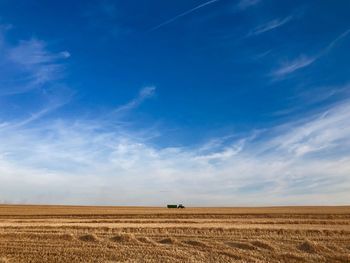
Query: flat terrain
column 140, row 234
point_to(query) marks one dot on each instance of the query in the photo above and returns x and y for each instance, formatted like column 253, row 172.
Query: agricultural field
column 151, row 234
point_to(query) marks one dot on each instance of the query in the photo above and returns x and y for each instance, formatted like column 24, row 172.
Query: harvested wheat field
column 140, row 234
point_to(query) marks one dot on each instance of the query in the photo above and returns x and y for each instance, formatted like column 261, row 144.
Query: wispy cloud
column 182, row 15
column 291, row 66
column 334, row 42
column 324, row 135
column 29, row 65
column 297, row 163
column 317, row 96
column 53, row 103
column 144, row 94
column 271, row 25
column 304, row 61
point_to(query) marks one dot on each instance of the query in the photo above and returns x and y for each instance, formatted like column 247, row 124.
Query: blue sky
column 221, row 102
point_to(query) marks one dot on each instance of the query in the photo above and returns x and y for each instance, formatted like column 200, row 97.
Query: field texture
column 138, row 234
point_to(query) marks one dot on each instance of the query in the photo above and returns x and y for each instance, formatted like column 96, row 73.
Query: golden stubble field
column 151, row 234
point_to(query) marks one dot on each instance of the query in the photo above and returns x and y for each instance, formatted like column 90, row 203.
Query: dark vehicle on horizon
column 176, row 206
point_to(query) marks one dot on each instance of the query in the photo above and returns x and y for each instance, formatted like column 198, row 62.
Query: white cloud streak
column 304, row 61
column 145, row 93
column 182, row 15
column 52, row 106
column 291, row 66
column 334, row 42
column 271, row 25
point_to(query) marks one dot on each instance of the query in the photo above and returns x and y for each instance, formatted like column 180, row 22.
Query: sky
column 205, row 103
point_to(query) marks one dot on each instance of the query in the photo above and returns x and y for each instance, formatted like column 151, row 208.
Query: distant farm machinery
column 176, row 206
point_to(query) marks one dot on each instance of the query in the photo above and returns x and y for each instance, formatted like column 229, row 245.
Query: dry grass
column 139, row 234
